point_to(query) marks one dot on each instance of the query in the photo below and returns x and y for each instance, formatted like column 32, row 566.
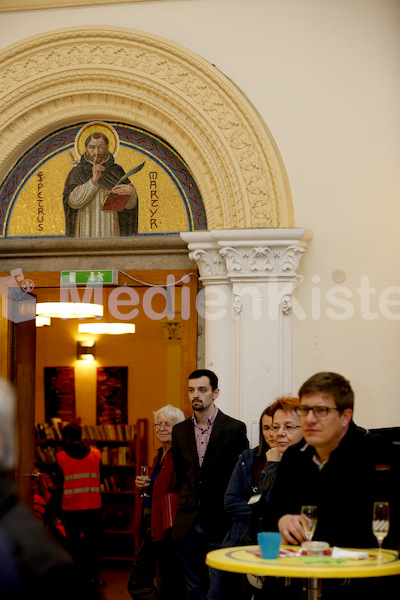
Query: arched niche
column 77, row 74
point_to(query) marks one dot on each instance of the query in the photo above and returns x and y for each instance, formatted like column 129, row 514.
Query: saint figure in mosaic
column 90, row 209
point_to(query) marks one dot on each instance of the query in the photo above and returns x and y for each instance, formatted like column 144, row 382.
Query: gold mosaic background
column 27, row 220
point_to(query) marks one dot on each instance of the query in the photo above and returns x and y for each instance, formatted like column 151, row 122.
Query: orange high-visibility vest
column 81, row 489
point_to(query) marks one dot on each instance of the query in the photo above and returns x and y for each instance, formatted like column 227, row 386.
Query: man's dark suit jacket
column 202, row 488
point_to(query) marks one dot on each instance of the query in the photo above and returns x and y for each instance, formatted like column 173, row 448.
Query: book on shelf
column 109, row 430
column 113, row 456
column 49, row 431
column 122, row 458
column 132, row 432
column 114, row 484
column 39, row 431
column 119, row 456
column 121, row 432
column 105, row 458
column 50, row 454
column 87, row 432
column 40, row 455
column 99, row 432
column 57, row 428
column 119, row 435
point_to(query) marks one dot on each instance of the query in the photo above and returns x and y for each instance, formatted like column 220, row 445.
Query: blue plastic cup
column 269, row 542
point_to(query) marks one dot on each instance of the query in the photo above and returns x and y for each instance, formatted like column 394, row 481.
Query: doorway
column 158, row 356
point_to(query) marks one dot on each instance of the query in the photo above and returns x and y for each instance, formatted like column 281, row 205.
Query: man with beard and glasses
column 86, row 188
column 205, row 449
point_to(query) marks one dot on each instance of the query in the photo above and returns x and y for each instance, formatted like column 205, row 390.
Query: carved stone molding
column 237, row 304
column 286, row 305
column 77, row 74
column 261, row 260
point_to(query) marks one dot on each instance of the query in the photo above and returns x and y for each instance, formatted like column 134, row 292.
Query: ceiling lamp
column 86, row 350
column 69, row 310
column 43, row 321
column 109, row 328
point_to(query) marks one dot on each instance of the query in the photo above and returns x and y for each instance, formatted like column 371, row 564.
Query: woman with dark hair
column 246, row 483
column 248, row 475
column 267, row 451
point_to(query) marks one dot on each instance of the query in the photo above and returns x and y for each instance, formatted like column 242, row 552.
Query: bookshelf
column 123, row 449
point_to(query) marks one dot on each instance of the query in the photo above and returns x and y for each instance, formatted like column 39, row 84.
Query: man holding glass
column 338, row 467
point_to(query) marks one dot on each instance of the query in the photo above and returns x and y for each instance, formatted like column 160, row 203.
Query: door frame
column 17, row 359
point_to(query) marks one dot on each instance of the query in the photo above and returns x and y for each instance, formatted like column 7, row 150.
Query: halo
column 96, row 126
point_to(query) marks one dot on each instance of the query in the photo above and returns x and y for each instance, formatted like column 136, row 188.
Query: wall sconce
column 86, row 350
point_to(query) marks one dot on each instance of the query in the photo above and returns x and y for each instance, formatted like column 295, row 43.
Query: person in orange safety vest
column 78, row 490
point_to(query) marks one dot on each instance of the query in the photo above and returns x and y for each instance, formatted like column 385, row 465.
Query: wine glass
column 309, row 520
column 380, row 523
column 144, row 473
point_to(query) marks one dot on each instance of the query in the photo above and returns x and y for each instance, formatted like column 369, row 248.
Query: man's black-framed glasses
column 318, row 411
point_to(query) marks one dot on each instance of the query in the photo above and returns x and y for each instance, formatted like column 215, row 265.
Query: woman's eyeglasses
column 158, row 426
column 287, row 428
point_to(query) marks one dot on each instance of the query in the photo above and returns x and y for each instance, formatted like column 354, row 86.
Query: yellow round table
column 244, row 559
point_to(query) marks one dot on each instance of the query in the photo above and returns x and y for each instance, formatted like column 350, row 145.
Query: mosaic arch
column 75, row 75
column 31, row 196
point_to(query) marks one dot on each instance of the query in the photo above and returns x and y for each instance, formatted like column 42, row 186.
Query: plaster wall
column 324, row 76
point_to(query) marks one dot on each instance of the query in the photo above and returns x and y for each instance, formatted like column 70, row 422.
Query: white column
column 250, row 343
column 214, row 303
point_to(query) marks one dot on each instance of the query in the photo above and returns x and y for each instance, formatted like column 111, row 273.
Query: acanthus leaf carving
column 290, row 259
column 210, row 264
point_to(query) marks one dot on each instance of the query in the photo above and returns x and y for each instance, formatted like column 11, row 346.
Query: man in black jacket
column 205, row 449
column 340, row 468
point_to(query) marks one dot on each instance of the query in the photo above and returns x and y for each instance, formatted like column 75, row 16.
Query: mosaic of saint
column 100, row 180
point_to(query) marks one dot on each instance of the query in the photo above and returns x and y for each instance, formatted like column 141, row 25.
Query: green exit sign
column 94, row 277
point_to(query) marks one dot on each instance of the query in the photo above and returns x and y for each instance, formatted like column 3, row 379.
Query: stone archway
column 74, row 74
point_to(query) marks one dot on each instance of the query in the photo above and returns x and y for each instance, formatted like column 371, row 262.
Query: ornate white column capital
column 262, row 254
column 247, row 254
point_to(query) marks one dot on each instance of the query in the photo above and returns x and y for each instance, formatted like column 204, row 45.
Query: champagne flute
column 380, row 523
column 309, row 520
column 144, row 474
